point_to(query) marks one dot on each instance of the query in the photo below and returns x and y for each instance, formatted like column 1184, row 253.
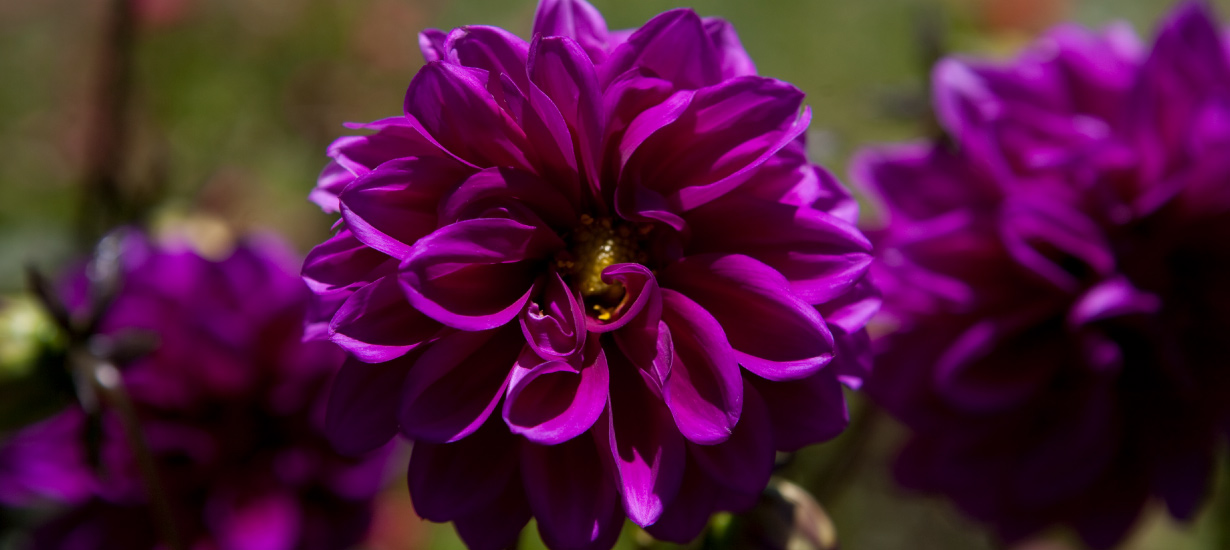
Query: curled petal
column 704, row 391
column 456, row 383
column 775, row 334
column 550, row 402
column 476, row 274
column 554, row 329
column 642, row 301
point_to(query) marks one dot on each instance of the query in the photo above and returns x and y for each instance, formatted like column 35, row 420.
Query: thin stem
column 101, row 199
column 109, row 385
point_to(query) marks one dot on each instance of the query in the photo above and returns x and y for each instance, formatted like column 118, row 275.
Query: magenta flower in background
column 591, row 276
column 1059, row 273
column 232, row 404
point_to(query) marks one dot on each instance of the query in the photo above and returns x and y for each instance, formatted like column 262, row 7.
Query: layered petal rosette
column 231, row 403
column 1059, row 274
column 592, row 276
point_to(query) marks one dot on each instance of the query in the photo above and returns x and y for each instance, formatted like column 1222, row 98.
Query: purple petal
column 646, row 448
column 642, row 302
column 572, row 495
column 377, row 324
column 919, row 182
column 501, row 187
column 1188, row 69
column 649, row 348
column 854, row 309
column 452, row 105
column 714, row 145
column 492, row 49
column 775, row 334
column 804, row 412
column 673, row 45
column 560, row 69
column 744, row 462
column 332, row 180
column 269, row 521
column 363, row 403
column 735, row 61
column 354, row 156
column 1112, row 298
column 704, row 391
column 476, row 274
column 498, row 526
column 1051, row 238
column 688, row 513
column 395, row 138
column 554, row 329
column 456, row 383
column 789, row 178
column 431, row 43
column 822, row 256
column 342, row 261
column 575, row 19
column 550, row 402
column 453, row 480
column 393, row 206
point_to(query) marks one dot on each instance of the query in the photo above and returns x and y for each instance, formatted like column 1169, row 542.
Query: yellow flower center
column 598, row 243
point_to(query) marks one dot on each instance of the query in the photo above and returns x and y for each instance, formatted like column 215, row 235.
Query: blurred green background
column 233, row 102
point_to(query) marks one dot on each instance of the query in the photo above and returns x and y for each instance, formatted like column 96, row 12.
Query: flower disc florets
column 594, row 245
column 592, row 276
column 1060, row 274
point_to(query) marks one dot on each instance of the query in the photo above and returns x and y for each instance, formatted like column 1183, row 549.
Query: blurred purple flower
column 1059, row 272
column 550, row 270
column 232, row 404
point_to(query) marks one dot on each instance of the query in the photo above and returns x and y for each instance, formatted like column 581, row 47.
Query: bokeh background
column 231, row 103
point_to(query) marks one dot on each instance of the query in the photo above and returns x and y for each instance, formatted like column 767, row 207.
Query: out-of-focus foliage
column 234, row 102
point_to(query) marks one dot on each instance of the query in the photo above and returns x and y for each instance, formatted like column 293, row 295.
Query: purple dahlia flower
column 1058, row 269
column 232, row 404
column 591, row 276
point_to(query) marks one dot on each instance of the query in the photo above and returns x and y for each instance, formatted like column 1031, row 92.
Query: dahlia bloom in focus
column 231, row 403
column 592, row 276
column 1059, row 272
